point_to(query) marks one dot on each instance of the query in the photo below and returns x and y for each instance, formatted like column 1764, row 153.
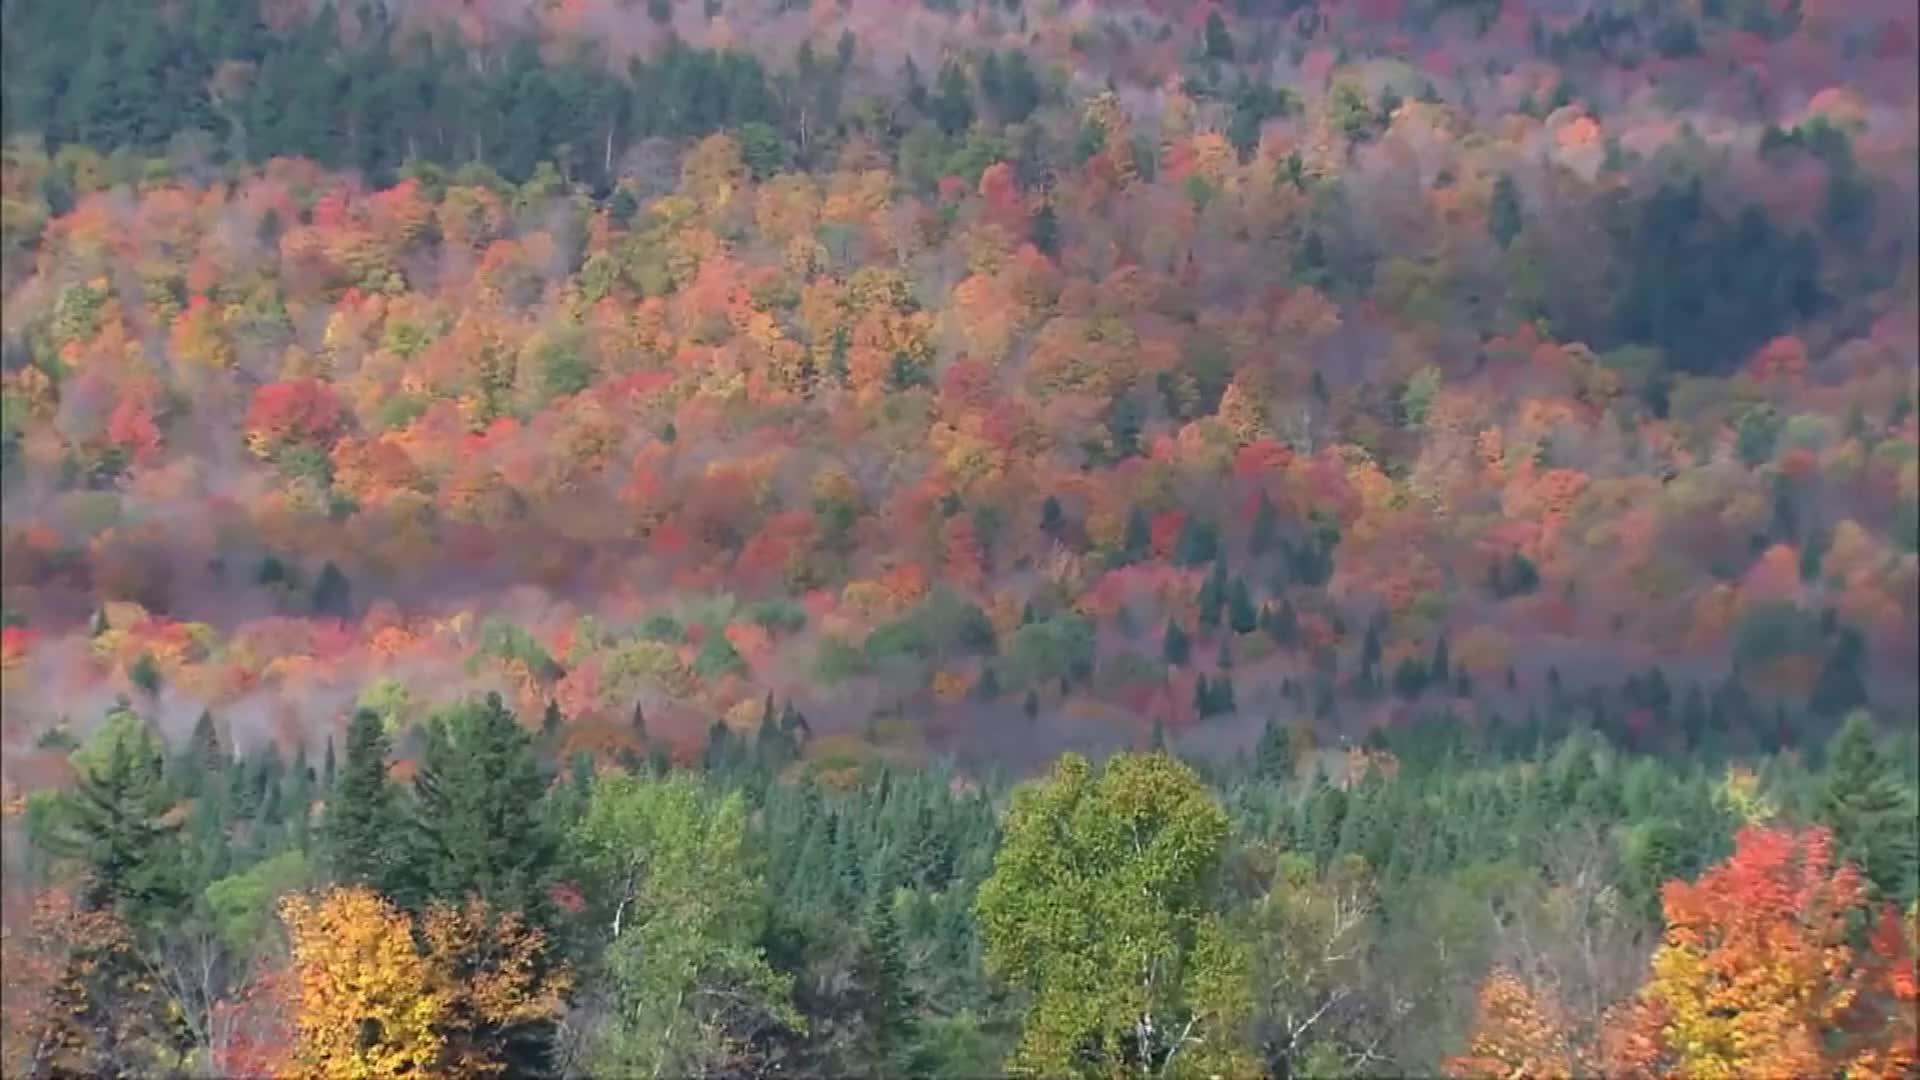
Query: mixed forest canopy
column 608, row 538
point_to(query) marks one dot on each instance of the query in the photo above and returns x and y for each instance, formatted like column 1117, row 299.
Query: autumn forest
column 959, row 538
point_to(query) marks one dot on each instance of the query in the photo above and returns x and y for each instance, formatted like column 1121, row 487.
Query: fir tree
column 479, row 789
column 1871, row 811
column 1273, row 757
column 1175, row 646
column 364, row 816
column 1241, row 615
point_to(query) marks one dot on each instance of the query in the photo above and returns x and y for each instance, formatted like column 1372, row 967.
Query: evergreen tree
column 1137, row 544
column 1241, row 615
column 114, row 824
column 887, row 1000
column 1871, row 811
column 550, row 719
column 1175, row 646
column 1504, row 218
column 331, row 593
column 1046, row 230
column 479, row 790
column 1219, row 39
column 1273, row 757
column 365, row 818
column 1051, row 517
column 327, row 770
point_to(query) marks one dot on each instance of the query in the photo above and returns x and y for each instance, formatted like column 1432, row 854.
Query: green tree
column 1504, row 216
column 365, row 827
column 1241, row 615
column 479, row 792
column 1175, row 645
column 114, row 823
column 667, row 868
column 1871, row 810
column 1219, row 39
column 1273, row 756
column 1098, row 907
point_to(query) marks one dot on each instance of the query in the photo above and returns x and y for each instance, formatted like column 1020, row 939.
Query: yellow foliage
column 356, row 973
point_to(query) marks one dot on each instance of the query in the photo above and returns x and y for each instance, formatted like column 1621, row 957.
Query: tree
column 1756, row 975
column 1175, row 645
column 1132, row 850
column 366, row 1001
column 1504, row 215
column 1219, row 41
column 479, row 791
column 1273, row 756
column 1517, row 1031
column 1310, row 938
column 366, row 824
column 666, row 866
column 1241, row 615
column 501, row 991
column 114, row 823
column 1871, row 811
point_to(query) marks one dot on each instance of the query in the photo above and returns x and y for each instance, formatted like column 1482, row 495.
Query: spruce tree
column 1241, row 615
column 1871, row 811
column 365, row 820
column 1175, row 646
column 1137, row 543
column 115, row 825
column 479, row 791
column 1273, row 757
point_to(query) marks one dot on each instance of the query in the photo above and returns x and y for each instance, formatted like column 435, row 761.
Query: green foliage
column 681, row 906
column 1132, row 850
column 478, row 795
column 1873, row 813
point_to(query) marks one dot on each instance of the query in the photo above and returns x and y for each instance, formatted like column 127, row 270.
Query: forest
column 959, row 538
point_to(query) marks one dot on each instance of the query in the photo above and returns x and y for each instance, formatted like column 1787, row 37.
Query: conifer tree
column 365, row 820
column 1273, row 757
column 479, row 789
column 1241, row 615
column 1175, row 646
column 1871, row 811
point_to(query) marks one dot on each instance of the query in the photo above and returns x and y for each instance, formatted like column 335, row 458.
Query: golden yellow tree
column 367, row 1001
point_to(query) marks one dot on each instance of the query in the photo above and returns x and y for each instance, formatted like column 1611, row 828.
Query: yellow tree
column 366, row 1001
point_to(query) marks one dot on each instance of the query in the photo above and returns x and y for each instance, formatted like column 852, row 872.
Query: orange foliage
column 1756, row 976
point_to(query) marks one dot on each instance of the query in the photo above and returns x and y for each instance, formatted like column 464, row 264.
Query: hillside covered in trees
column 959, row 537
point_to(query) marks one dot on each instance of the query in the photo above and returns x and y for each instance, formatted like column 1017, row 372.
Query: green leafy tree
column 1098, row 908
column 666, row 865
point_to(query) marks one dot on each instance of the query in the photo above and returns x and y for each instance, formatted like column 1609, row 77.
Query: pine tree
column 1175, row 646
column 1137, row 544
column 479, row 790
column 1046, row 230
column 1241, row 615
column 1504, row 218
column 1219, row 42
column 331, row 593
column 1223, row 657
column 1871, row 811
column 1273, row 757
column 550, row 719
column 115, row 825
column 327, row 770
column 1051, row 517
column 887, row 1000
column 365, row 819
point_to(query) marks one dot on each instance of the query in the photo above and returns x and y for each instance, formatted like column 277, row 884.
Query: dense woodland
column 959, row 538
